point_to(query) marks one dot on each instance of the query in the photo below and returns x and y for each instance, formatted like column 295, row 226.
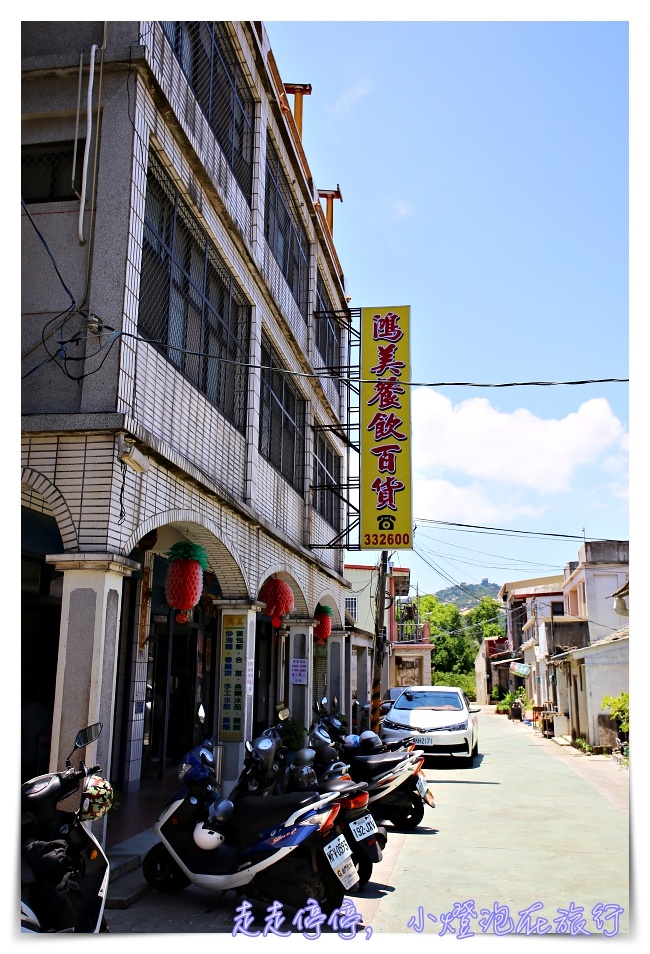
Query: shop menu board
column 233, row 679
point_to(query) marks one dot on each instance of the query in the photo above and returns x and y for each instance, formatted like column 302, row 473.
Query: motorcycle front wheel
column 161, row 871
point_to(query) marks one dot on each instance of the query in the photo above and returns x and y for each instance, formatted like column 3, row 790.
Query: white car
column 440, row 719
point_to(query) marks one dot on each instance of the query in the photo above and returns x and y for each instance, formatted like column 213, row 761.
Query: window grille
column 284, row 231
column 282, row 420
column 46, row 171
column 208, row 59
column 190, row 305
column 328, row 329
column 351, row 606
column 326, row 492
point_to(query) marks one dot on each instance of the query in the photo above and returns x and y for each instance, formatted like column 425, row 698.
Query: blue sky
column 484, row 174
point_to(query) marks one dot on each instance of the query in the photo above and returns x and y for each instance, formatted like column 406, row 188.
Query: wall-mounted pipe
column 89, row 127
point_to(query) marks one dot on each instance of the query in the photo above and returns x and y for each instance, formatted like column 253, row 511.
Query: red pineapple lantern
column 184, row 582
column 323, row 627
column 278, row 597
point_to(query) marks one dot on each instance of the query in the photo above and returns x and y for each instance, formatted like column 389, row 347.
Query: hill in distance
column 467, row 595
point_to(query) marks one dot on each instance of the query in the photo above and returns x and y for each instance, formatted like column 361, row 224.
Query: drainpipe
column 89, row 126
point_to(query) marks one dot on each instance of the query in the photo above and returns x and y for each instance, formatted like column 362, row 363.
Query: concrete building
column 566, row 645
column 183, row 307
column 407, row 660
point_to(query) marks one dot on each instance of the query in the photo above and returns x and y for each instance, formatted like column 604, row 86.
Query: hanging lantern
column 323, row 627
column 278, row 597
column 181, row 617
column 184, row 583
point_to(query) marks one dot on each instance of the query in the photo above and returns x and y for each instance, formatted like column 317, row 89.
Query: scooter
column 64, row 871
column 267, row 772
column 397, row 786
column 282, row 848
column 366, row 838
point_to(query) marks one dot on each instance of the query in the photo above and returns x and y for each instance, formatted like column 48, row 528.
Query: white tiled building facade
column 196, row 261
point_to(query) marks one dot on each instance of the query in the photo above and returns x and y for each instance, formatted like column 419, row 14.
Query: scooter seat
column 344, row 786
column 254, row 813
column 366, row 767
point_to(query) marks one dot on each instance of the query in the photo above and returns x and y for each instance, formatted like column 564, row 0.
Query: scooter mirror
column 284, row 714
column 323, row 701
column 87, row 735
column 248, row 746
column 201, row 714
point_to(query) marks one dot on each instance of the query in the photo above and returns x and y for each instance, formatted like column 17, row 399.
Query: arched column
column 301, row 668
column 88, row 644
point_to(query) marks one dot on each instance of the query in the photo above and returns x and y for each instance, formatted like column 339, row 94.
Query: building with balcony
column 184, row 314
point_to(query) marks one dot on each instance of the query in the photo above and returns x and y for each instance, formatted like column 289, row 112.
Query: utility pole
column 380, row 643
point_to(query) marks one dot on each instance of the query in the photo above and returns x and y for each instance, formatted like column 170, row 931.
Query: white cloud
column 470, row 504
column 400, row 208
column 351, row 95
column 516, row 448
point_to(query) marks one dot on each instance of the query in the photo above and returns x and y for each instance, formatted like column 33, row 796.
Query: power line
column 514, row 533
column 344, row 378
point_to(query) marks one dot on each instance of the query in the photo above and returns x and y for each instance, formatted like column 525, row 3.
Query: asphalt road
column 533, row 827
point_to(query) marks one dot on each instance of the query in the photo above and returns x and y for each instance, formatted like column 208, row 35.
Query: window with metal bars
column 284, row 231
column 351, row 606
column 328, row 329
column 208, row 59
column 46, row 171
column 326, row 491
column 282, row 419
column 190, row 305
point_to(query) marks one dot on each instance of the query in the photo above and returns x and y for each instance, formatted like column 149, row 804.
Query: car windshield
column 429, row 700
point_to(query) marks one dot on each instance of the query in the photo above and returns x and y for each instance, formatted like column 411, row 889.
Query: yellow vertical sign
column 233, row 679
column 385, row 472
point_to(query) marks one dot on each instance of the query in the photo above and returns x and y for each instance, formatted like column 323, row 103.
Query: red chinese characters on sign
column 385, row 429
column 386, row 327
column 386, row 393
column 387, row 360
column 386, row 457
column 386, row 490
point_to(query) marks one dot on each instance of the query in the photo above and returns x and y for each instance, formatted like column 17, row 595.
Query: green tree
column 455, row 650
column 486, row 619
column 619, row 707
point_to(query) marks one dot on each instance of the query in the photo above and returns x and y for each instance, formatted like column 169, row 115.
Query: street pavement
column 533, row 827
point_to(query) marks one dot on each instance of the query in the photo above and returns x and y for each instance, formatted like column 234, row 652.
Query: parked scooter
column 397, row 786
column 282, row 848
column 366, row 838
column 307, row 774
column 64, row 871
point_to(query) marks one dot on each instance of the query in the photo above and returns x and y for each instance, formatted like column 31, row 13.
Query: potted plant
column 293, row 733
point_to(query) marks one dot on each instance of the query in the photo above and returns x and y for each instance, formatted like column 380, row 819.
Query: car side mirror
column 474, row 708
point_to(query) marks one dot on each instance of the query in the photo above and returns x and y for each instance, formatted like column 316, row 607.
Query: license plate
column 424, row 792
column 362, row 827
column 421, row 739
column 339, row 856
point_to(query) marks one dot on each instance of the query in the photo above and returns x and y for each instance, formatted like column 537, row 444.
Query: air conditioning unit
column 129, row 454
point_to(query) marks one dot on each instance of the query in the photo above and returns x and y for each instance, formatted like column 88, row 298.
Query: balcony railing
column 409, row 632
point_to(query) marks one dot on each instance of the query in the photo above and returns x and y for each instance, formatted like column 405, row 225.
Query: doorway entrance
column 181, row 681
